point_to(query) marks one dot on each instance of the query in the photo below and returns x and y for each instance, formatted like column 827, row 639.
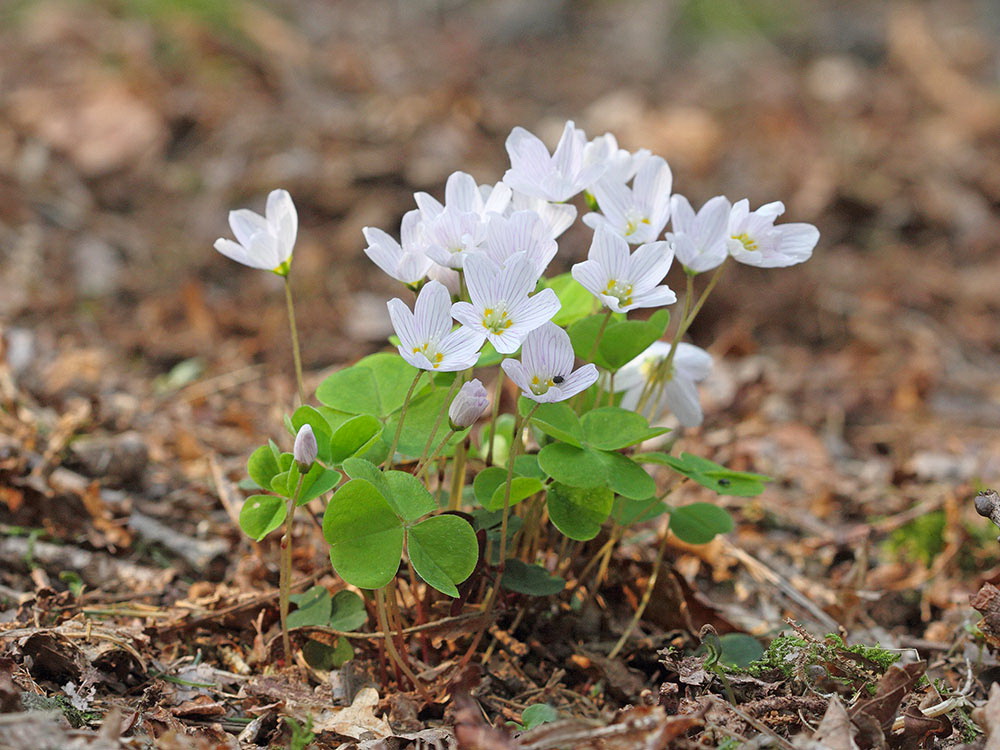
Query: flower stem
column 285, row 571
column 425, row 462
column 646, row 596
column 497, row 394
column 519, row 427
column 399, row 427
column 296, row 353
column 390, row 646
column 457, row 476
column 440, row 418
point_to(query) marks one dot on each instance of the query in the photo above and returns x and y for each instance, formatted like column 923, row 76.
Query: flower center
column 748, row 242
column 622, row 290
column 652, row 370
column 496, row 320
column 431, row 353
column 632, row 222
column 539, row 386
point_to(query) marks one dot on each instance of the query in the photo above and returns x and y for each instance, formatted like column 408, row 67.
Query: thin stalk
column 646, row 596
column 457, row 477
column 497, row 394
column 425, row 462
column 296, row 353
column 689, row 316
column 663, row 368
column 402, row 415
column 519, row 427
column 590, row 358
column 390, row 646
column 285, row 571
column 440, row 418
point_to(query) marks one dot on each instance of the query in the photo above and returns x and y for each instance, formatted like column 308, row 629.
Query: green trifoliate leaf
column 444, row 551
column 262, row 466
column 364, row 533
column 353, row 437
column 626, row 477
column 521, row 488
column 699, row 523
column 611, row 428
column 408, row 496
column 376, row 386
column 708, row 473
column 576, row 302
column 579, row 512
column 627, row 512
column 557, row 420
column 540, row 713
column 583, row 335
column 530, row 579
column 348, row 611
column 577, row 467
column 262, row 514
column 421, row 417
column 624, row 341
column 285, row 482
column 486, row 483
column 312, row 608
column 308, row 415
column 317, row 481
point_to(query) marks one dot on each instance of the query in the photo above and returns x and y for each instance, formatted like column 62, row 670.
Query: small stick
column 988, row 506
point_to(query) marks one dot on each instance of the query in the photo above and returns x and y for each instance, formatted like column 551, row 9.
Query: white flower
column 406, row 260
column 522, row 231
column 462, row 194
column 754, row 240
column 557, row 177
column 305, row 449
column 468, row 405
column 558, row 217
column 263, row 241
column 501, row 309
column 649, row 388
column 621, row 281
column 638, row 213
column 425, row 336
column 699, row 240
column 622, row 164
column 545, row 373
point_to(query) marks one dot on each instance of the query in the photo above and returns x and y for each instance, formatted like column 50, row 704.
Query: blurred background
column 868, row 379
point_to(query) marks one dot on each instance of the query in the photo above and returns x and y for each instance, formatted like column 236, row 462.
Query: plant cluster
column 424, row 467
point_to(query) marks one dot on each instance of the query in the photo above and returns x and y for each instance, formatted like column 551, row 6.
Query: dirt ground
column 141, row 367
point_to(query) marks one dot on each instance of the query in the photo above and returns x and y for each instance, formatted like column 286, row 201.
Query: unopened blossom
column 624, row 281
column 756, row 241
column 501, row 308
column 265, row 241
column 558, row 217
column 639, row 213
column 545, row 371
column 556, row 177
column 521, row 231
column 426, row 339
column 700, row 241
column 405, row 260
column 622, row 164
column 305, row 449
column 468, row 406
column 650, row 386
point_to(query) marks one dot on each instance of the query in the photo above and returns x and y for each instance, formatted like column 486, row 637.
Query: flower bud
column 468, row 406
column 306, row 449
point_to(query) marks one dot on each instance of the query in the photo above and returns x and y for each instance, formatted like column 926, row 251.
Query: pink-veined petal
column 432, row 312
column 649, row 264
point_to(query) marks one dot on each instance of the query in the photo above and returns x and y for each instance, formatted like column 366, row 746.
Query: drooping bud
column 468, row 406
column 306, row 449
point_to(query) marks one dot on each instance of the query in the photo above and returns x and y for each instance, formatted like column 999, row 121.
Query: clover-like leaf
column 262, row 514
column 578, row 467
column 530, row 579
column 625, row 340
column 311, row 416
column 611, row 428
column 709, row 474
column 699, row 523
column 557, row 420
column 262, row 466
column 576, row 302
column 521, row 488
column 579, row 512
column 444, row 551
column 317, row 481
column 353, row 436
column 408, row 496
column 364, row 533
column 626, row 477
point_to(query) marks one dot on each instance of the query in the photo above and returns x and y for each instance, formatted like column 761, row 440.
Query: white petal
column 692, row 362
column 284, row 220
column 649, row 264
column 516, row 372
column 651, row 188
column 404, row 325
column 235, row 251
column 681, row 396
column 713, row 220
column 460, row 349
column 683, row 217
column 580, row 380
column 480, row 278
column 591, row 276
column 432, row 312
column 797, row 241
column 467, row 315
column 245, row 224
column 462, row 193
column 655, row 297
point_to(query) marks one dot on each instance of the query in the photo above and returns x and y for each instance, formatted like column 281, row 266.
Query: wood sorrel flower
column 699, row 240
column 305, row 449
column 650, row 386
column 501, row 309
column 754, row 240
column 558, row 217
column 468, row 406
column 405, row 260
column 522, row 231
column 557, row 177
column 638, row 213
column 426, row 340
column 622, row 281
column 263, row 241
column 545, row 373
column 621, row 163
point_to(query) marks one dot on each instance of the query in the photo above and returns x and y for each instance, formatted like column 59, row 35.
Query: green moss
column 789, row 655
column 921, row 540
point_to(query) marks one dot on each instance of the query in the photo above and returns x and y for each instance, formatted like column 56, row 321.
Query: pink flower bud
column 306, row 449
column 468, row 406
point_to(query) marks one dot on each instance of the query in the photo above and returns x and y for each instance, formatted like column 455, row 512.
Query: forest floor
column 140, row 368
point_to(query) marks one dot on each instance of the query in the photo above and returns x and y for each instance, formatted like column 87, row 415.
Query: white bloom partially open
column 756, row 241
column 699, row 240
column 650, row 388
column 557, row 177
column 622, row 164
column 622, row 281
column 425, row 336
column 545, row 372
column 404, row 261
column 267, row 241
column 638, row 213
column 522, row 231
column 501, row 308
